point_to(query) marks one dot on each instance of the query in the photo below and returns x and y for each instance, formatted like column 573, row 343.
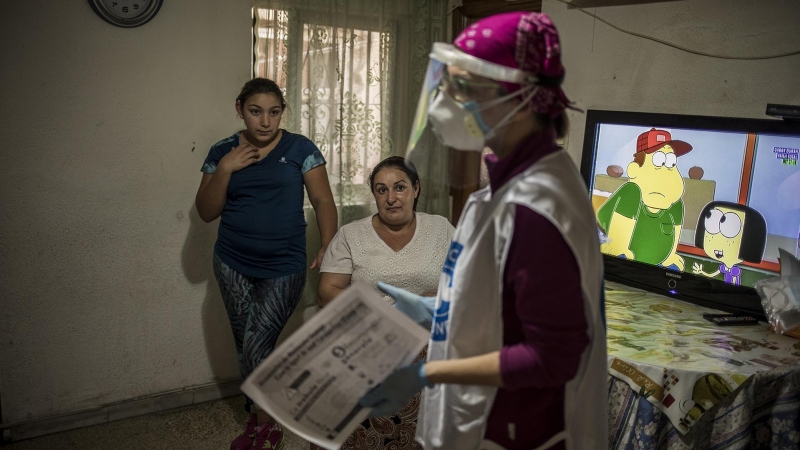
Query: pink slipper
column 269, row 437
column 245, row 440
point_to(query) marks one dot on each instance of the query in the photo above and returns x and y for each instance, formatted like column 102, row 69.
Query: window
column 352, row 70
column 337, row 83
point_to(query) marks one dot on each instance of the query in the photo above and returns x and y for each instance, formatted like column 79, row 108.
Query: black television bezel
column 696, row 289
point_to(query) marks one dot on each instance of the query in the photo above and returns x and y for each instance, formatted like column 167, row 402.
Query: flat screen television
column 694, row 207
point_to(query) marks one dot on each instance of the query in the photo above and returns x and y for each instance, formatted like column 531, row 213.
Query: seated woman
column 398, row 246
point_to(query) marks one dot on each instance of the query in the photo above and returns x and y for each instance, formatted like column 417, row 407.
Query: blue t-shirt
column 262, row 232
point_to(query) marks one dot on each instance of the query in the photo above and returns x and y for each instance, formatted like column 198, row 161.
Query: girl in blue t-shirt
column 254, row 181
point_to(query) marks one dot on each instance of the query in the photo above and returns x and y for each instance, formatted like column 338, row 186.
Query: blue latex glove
column 416, row 307
column 396, row 390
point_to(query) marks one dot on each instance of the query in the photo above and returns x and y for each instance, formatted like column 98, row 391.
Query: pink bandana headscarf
column 526, row 41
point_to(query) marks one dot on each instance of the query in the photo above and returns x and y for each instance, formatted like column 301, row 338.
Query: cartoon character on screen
column 643, row 218
column 730, row 233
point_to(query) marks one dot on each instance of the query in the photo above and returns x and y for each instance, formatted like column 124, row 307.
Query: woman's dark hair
column 560, row 123
column 754, row 233
column 260, row 86
column 400, row 163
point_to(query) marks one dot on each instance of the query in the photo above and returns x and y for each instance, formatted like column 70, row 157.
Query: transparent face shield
column 430, row 88
column 459, row 108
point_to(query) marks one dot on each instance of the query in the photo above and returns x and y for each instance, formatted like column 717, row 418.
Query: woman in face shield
column 517, row 357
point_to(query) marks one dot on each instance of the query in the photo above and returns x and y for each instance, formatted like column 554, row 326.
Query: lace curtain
column 351, row 71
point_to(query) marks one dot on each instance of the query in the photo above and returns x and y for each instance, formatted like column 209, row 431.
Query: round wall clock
column 126, row 13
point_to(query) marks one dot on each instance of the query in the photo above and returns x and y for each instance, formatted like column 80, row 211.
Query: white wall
column 607, row 69
column 106, row 289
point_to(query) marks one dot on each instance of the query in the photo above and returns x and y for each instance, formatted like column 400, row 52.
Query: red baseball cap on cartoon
column 653, row 140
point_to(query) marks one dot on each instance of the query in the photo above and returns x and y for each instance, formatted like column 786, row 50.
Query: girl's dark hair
column 400, row 163
column 260, row 86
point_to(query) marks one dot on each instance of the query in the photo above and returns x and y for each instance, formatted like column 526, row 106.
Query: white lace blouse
column 359, row 251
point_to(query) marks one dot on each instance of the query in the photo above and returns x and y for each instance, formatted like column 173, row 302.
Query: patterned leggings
column 258, row 309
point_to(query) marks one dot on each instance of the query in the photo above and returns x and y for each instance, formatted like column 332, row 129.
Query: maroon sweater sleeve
column 545, row 328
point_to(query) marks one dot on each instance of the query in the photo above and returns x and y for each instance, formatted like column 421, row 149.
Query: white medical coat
column 468, row 314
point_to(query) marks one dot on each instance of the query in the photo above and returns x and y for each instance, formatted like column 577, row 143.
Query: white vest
column 468, row 317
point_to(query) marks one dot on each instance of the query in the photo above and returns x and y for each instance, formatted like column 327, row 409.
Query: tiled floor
column 207, row 426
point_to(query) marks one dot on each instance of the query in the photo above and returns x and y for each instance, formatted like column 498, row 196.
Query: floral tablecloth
column 668, row 364
column 763, row 414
